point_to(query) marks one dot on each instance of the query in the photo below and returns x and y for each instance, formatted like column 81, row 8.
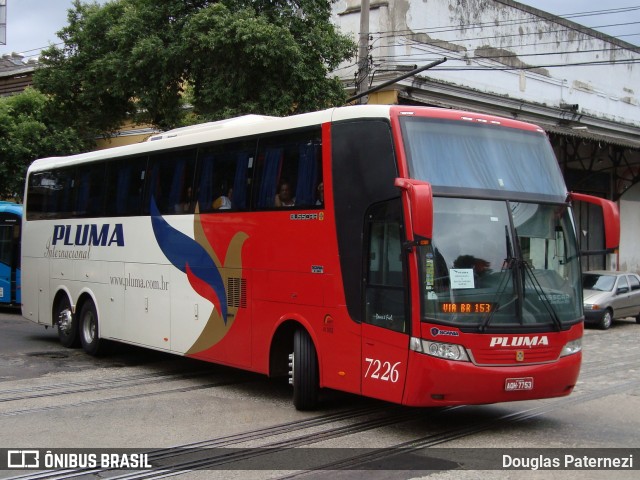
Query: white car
column 609, row 295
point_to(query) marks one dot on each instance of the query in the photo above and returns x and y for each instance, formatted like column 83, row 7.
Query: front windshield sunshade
column 500, row 264
column 463, row 155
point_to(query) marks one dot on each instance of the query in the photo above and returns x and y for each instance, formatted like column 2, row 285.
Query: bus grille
column 489, row 357
column 237, row 292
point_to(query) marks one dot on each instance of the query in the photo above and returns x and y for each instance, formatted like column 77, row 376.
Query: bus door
column 10, row 260
column 6, row 243
column 385, row 329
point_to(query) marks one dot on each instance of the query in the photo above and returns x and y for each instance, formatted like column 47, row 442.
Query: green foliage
column 133, row 59
column 83, row 76
column 27, row 133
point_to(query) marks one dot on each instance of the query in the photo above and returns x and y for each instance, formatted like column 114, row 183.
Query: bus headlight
column 572, row 347
column 447, row 351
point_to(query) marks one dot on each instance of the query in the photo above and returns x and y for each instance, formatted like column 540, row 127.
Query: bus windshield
column 483, row 157
column 500, row 264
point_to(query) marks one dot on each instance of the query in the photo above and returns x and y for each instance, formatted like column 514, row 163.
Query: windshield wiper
column 519, row 266
column 507, row 264
column 542, row 296
column 507, row 261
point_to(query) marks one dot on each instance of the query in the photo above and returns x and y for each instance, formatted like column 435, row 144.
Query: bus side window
column 309, row 175
column 36, row 196
column 295, row 160
column 6, row 244
column 385, row 300
column 50, row 194
column 244, row 162
column 89, row 187
column 270, row 168
column 170, row 182
column 125, row 186
column 223, row 174
column 207, row 181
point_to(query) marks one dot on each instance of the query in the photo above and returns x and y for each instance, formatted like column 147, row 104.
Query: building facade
column 512, row 60
column 15, row 74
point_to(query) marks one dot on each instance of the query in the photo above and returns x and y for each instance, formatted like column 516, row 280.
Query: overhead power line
column 533, row 67
column 520, row 21
column 411, row 39
column 517, row 55
column 433, row 30
column 500, row 57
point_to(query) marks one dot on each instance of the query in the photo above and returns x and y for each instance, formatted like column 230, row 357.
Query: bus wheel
column 304, row 372
column 67, row 324
column 89, row 330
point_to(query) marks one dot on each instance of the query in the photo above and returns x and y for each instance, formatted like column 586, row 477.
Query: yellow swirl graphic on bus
column 208, row 276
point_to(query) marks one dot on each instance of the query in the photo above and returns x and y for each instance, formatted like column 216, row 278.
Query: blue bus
column 10, row 232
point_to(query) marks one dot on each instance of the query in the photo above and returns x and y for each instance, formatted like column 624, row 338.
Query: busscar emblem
column 520, row 356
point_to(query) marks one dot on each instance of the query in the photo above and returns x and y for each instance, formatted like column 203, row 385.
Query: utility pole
column 396, row 80
column 363, row 50
column 3, row 22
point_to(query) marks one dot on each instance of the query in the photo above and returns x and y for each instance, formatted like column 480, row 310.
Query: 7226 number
column 383, row 371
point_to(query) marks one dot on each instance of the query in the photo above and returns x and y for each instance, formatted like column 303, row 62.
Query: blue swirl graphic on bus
column 190, row 258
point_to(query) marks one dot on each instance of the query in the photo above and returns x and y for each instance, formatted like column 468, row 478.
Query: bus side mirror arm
column 420, row 198
column 611, row 216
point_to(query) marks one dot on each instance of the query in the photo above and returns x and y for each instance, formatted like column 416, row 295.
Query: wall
column 504, row 48
column 629, row 257
column 506, row 58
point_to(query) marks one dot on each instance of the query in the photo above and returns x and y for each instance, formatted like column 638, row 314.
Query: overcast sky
column 32, row 24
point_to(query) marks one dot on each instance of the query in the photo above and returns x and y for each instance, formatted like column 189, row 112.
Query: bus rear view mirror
column 611, row 217
column 420, row 198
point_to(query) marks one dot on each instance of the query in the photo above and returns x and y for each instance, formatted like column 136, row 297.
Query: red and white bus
column 422, row 256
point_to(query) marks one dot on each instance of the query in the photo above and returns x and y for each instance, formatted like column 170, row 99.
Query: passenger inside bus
column 320, row 194
column 285, row 198
column 185, row 204
column 223, row 202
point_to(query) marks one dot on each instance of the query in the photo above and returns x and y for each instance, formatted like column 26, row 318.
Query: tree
column 133, row 59
column 28, row 133
column 270, row 57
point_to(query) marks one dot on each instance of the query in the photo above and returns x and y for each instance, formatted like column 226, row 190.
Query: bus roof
column 249, row 125
column 244, row 120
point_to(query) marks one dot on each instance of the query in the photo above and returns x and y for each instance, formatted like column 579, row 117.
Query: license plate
column 517, row 384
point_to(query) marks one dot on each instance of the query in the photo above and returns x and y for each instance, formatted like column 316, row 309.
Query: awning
column 550, row 119
column 587, row 134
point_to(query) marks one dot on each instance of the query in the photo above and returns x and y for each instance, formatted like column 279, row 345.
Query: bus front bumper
column 437, row 382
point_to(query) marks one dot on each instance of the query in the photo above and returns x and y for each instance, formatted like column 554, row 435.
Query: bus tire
column 306, row 384
column 67, row 324
column 89, row 329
